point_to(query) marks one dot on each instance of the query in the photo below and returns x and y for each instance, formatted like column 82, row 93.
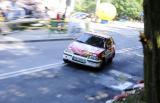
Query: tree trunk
column 151, row 48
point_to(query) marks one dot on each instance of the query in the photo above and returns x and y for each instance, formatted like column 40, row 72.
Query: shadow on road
column 89, row 69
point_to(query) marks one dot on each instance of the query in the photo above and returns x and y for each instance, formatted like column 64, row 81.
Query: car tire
column 65, row 61
column 111, row 59
column 102, row 64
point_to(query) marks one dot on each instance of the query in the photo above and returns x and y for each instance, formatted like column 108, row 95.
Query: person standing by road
column 2, row 17
column 3, row 27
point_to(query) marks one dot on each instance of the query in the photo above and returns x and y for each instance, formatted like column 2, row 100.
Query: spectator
column 39, row 10
column 4, row 5
column 142, row 16
column 15, row 10
column 3, row 27
column 28, row 6
column 2, row 17
column 11, row 9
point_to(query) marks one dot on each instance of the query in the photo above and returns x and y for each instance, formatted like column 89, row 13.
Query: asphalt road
column 35, row 73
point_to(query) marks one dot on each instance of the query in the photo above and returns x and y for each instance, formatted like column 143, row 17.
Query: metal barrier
column 52, row 25
column 4, row 29
column 56, row 26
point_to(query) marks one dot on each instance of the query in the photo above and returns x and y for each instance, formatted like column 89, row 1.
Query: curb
column 137, row 28
column 39, row 40
column 10, row 32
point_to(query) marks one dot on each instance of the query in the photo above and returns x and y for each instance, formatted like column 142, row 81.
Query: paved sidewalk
column 33, row 36
column 120, row 27
column 131, row 24
column 124, row 27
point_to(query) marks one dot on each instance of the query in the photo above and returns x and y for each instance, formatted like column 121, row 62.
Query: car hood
column 84, row 49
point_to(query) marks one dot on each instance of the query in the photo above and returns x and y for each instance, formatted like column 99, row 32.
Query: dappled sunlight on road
column 44, row 90
column 43, row 74
column 6, row 62
column 16, row 49
column 12, row 93
column 9, row 38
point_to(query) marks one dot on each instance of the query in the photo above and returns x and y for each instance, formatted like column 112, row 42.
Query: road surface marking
column 122, row 86
column 139, row 55
column 118, row 74
column 128, row 49
column 117, row 80
column 112, row 82
column 124, row 75
column 29, row 70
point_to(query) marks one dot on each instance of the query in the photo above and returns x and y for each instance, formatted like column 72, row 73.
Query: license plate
column 79, row 59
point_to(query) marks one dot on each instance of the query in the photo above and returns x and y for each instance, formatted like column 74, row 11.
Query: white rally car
column 90, row 49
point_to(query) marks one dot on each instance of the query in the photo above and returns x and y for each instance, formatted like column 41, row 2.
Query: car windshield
column 91, row 40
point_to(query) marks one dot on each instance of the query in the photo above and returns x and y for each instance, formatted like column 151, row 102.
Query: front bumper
column 81, row 60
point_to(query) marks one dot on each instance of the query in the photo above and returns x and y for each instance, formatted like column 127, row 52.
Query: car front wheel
column 65, row 60
column 102, row 64
column 111, row 59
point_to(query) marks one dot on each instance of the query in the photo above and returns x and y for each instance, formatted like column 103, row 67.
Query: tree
column 128, row 8
column 151, row 47
column 87, row 6
column 125, row 8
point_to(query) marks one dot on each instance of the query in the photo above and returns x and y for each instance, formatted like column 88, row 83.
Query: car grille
column 80, row 55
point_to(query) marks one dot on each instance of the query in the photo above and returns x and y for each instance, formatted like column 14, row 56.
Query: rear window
column 91, row 40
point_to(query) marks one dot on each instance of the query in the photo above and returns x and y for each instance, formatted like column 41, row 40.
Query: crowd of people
column 18, row 9
column 13, row 9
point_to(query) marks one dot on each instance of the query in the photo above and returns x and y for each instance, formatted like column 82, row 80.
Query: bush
column 128, row 9
column 87, row 6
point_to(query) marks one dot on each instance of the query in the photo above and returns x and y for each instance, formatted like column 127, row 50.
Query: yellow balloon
column 106, row 11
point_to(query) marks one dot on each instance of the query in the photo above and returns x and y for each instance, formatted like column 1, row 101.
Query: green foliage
column 128, row 8
column 87, row 6
column 139, row 1
column 106, row 1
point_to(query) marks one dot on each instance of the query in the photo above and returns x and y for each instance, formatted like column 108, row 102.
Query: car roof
column 104, row 35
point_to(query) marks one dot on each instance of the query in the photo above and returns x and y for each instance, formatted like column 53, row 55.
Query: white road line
column 137, row 54
column 29, row 70
column 122, row 86
column 117, row 80
column 140, row 55
column 128, row 49
column 112, row 82
column 118, row 74
column 125, row 75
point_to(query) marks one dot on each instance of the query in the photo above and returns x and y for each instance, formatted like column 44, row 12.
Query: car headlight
column 94, row 57
column 68, row 51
